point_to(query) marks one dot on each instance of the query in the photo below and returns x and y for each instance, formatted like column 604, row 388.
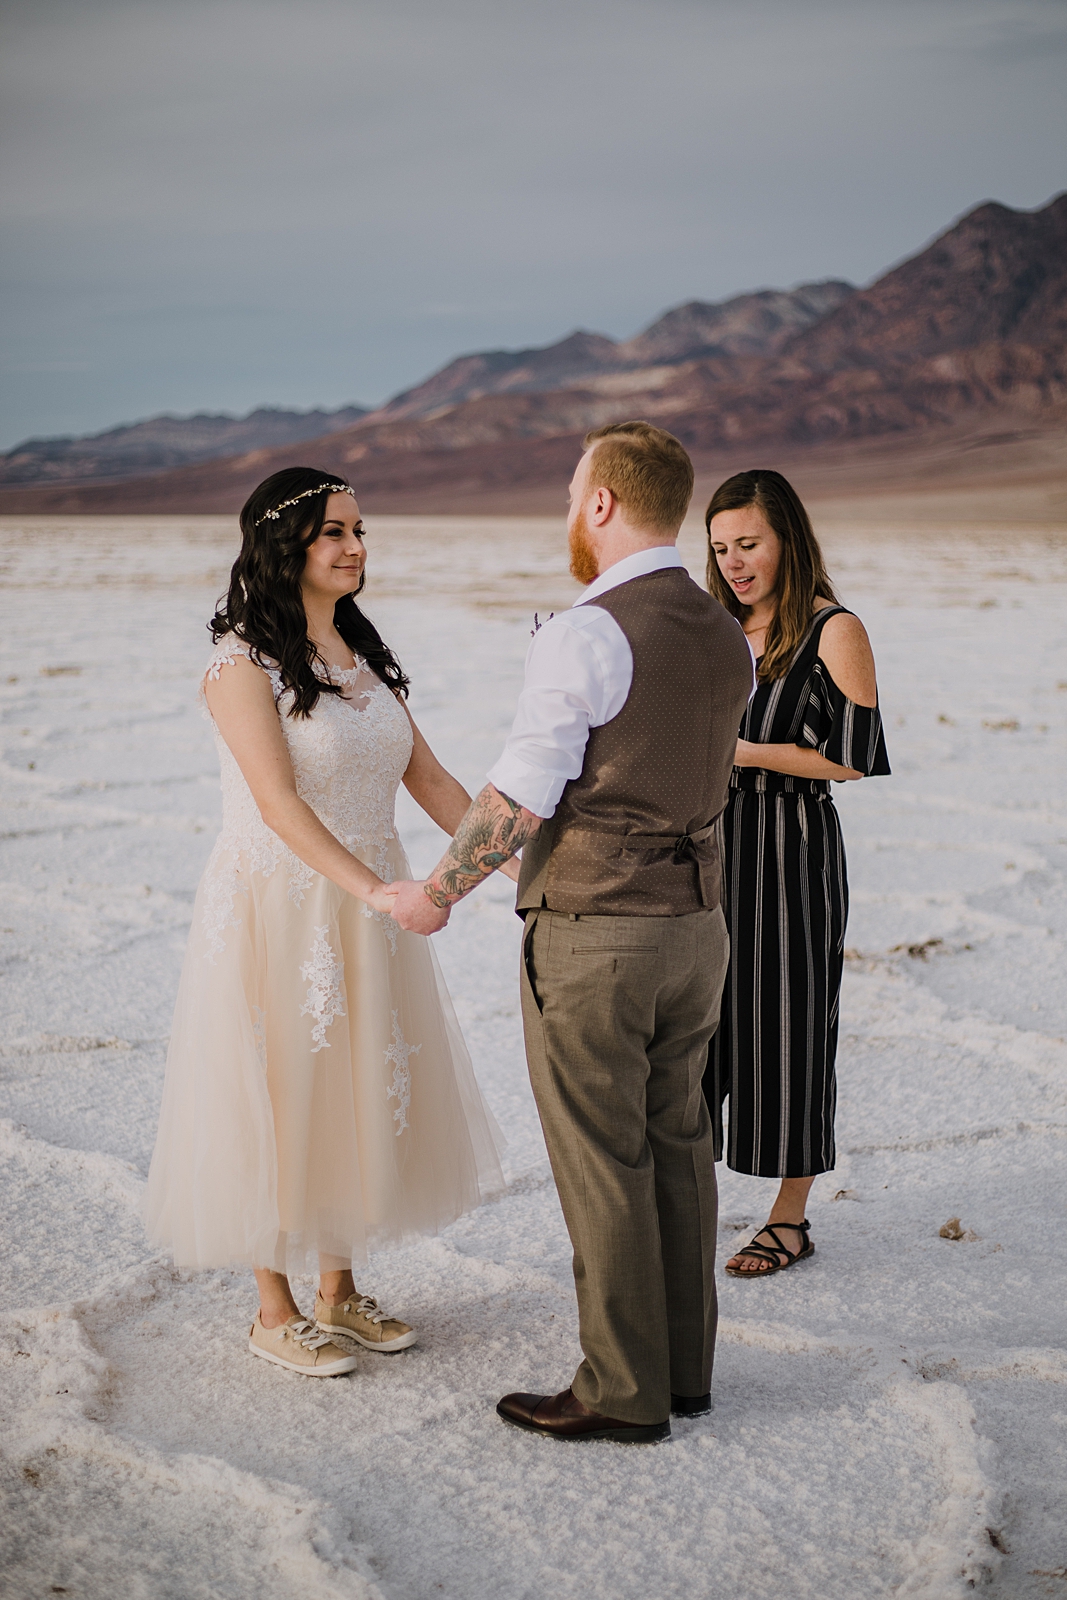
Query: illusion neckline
column 347, row 672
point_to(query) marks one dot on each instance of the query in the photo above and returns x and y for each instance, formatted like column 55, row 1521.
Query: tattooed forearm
column 491, row 832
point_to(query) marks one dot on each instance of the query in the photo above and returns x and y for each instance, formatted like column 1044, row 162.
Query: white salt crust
column 890, row 1418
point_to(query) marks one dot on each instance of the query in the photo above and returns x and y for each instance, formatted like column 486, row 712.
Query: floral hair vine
column 335, row 488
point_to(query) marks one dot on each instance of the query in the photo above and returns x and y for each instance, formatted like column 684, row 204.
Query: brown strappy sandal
column 762, row 1252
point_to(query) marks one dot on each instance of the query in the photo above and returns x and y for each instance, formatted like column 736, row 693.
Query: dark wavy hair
column 264, row 605
column 802, row 575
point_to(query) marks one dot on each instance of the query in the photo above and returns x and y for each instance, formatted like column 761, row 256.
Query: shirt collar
column 636, row 566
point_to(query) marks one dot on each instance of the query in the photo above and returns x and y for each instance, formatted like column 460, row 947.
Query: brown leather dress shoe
column 563, row 1416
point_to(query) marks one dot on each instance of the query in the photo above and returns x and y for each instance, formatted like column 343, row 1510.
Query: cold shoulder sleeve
column 839, row 729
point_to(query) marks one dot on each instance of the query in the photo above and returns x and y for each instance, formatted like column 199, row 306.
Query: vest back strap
column 683, row 845
column 664, row 841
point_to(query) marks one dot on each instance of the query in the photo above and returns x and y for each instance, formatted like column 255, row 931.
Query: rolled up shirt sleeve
column 579, row 669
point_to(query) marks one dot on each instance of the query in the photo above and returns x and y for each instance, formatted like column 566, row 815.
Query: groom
column 616, row 767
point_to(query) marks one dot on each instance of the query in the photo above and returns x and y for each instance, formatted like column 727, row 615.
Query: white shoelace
column 304, row 1333
column 368, row 1307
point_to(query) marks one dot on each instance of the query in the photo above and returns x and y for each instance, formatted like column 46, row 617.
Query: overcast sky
column 215, row 204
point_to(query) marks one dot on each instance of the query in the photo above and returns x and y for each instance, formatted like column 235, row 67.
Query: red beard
column 583, row 562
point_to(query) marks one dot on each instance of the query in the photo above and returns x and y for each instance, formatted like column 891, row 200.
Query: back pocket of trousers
column 611, row 954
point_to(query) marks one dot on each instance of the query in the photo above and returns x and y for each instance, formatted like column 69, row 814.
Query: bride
column 319, row 1099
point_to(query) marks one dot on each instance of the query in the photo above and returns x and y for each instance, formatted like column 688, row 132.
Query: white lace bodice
column 348, row 756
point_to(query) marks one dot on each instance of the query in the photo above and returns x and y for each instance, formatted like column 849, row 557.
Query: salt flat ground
column 890, row 1418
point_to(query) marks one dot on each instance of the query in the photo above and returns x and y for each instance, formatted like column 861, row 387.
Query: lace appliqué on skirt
column 322, row 973
column 222, row 885
column 225, row 879
column 399, row 1090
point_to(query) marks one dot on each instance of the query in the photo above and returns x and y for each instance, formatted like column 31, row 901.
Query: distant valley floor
column 529, row 477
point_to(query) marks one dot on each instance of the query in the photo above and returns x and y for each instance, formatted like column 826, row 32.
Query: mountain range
column 138, row 448
column 748, row 324
column 965, row 338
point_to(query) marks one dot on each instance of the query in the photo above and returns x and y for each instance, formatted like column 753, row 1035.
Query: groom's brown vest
column 631, row 835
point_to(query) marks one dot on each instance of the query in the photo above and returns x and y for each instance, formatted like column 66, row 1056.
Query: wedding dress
column 319, row 1099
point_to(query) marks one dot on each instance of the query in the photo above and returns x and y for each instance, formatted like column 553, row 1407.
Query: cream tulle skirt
column 319, row 1100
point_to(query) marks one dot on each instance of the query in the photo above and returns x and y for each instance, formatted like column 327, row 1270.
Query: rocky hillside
column 748, row 324
column 975, row 323
column 998, row 277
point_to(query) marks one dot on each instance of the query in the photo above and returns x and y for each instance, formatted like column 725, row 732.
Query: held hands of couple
column 491, row 832
column 415, row 911
column 382, row 898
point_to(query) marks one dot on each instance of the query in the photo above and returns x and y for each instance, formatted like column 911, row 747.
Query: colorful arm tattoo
column 491, row 832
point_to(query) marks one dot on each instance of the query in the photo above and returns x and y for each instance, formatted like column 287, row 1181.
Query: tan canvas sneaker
column 299, row 1345
column 361, row 1317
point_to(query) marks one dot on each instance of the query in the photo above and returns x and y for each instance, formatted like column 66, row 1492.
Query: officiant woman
column 813, row 720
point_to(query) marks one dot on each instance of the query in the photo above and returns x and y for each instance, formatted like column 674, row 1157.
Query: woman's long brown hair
column 264, row 605
column 802, row 575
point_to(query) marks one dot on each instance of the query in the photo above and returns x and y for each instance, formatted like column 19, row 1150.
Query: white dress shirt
column 579, row 669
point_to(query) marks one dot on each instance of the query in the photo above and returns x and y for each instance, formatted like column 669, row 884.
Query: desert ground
column 890, row 1417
